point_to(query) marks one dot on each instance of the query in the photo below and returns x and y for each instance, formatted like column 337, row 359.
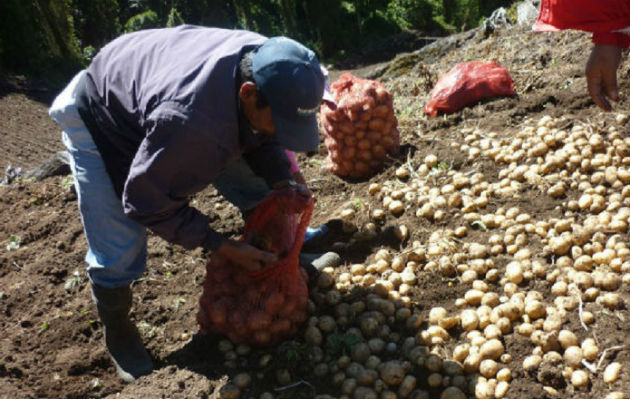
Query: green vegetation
column 14, row 242
column 338, row 343
column 75, row 281
column 45, row 36
column 442, row 166
column 67, row 182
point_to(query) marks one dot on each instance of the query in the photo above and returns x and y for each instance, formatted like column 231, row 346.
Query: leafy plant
column 14, row 242
column 169, row 269
column 44, row 327
column 479, row 225
column 442, row 166
column 74, row 281
column 174, row 18
column 144, row 20
column 293, row 352
column 179, row 302
column 35, row 200
column 405, row 113
column 340, row 343
column 67, row 182
column 149, row 330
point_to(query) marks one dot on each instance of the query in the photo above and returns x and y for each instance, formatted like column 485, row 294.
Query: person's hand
column 299, row 178
column 244, row 255
column 301, row 188
column 601, row 74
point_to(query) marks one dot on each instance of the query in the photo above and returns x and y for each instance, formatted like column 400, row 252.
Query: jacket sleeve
column 613, row 38
column 270, row 162
column 172, row 164
column 603, row 18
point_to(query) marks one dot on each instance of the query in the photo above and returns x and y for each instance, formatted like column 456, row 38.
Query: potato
column 484, row 390
column 567, row 338
column 229, row 391
column 453, row 392
column 273, row 303
column 218, row 312
column 611, row 373
column 258, row 320
column 381, row 111
column 469, row 320
column 504, row 375
column 238, row 322
column 501, row 389
column 579, row 378
column 573, row 356
column 280, row 326
column 376, row 124
column 313, row 335
column 392, row 372
column 407, row 386
column 289, row 307
column 488, row 368
column 262, row 337
column 472, row 361
column 531, row 363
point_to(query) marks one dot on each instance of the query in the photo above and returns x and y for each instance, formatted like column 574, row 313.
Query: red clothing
column 602, row 17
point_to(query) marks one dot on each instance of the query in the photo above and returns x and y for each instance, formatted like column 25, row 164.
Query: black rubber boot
column 314, row 263
column 122, row 338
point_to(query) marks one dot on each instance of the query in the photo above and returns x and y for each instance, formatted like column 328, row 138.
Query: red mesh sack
column 264, row 306
column 362, row 130
column 466, row 84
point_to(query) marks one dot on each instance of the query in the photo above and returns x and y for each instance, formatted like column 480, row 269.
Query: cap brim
column 298, row 136
column 329, row 99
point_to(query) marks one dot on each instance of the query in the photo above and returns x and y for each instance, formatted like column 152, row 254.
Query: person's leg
column 116, row 244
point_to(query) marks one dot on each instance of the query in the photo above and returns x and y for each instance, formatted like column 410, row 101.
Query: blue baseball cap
column 288, row 74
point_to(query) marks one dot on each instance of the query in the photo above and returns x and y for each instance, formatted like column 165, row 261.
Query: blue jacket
column 162, row 107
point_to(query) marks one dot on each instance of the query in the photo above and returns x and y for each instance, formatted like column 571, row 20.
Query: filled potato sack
column 468, row 83
column 362, row 130
column 268, row 305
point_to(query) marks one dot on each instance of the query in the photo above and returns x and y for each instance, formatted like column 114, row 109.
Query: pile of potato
column 546, row 284
column 362, row 131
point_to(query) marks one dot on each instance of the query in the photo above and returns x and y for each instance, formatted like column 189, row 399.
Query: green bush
column 174, row 18
column 37, row 35
column 145, row 20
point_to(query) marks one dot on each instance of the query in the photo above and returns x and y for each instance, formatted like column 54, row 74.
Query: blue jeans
column 117, row 245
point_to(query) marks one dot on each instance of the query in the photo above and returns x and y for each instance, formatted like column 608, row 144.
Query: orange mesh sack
column 362, row 130
column 264, row 306
column 468, row 83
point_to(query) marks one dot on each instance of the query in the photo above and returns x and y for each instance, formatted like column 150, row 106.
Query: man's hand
column 246, row 256
column 299, row 178
column 301, row 188
column 601, row 74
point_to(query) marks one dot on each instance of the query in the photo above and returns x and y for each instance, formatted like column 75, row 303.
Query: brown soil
column 52, row 343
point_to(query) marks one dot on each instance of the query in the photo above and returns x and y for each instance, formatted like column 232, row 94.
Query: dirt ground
column 52, row 342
